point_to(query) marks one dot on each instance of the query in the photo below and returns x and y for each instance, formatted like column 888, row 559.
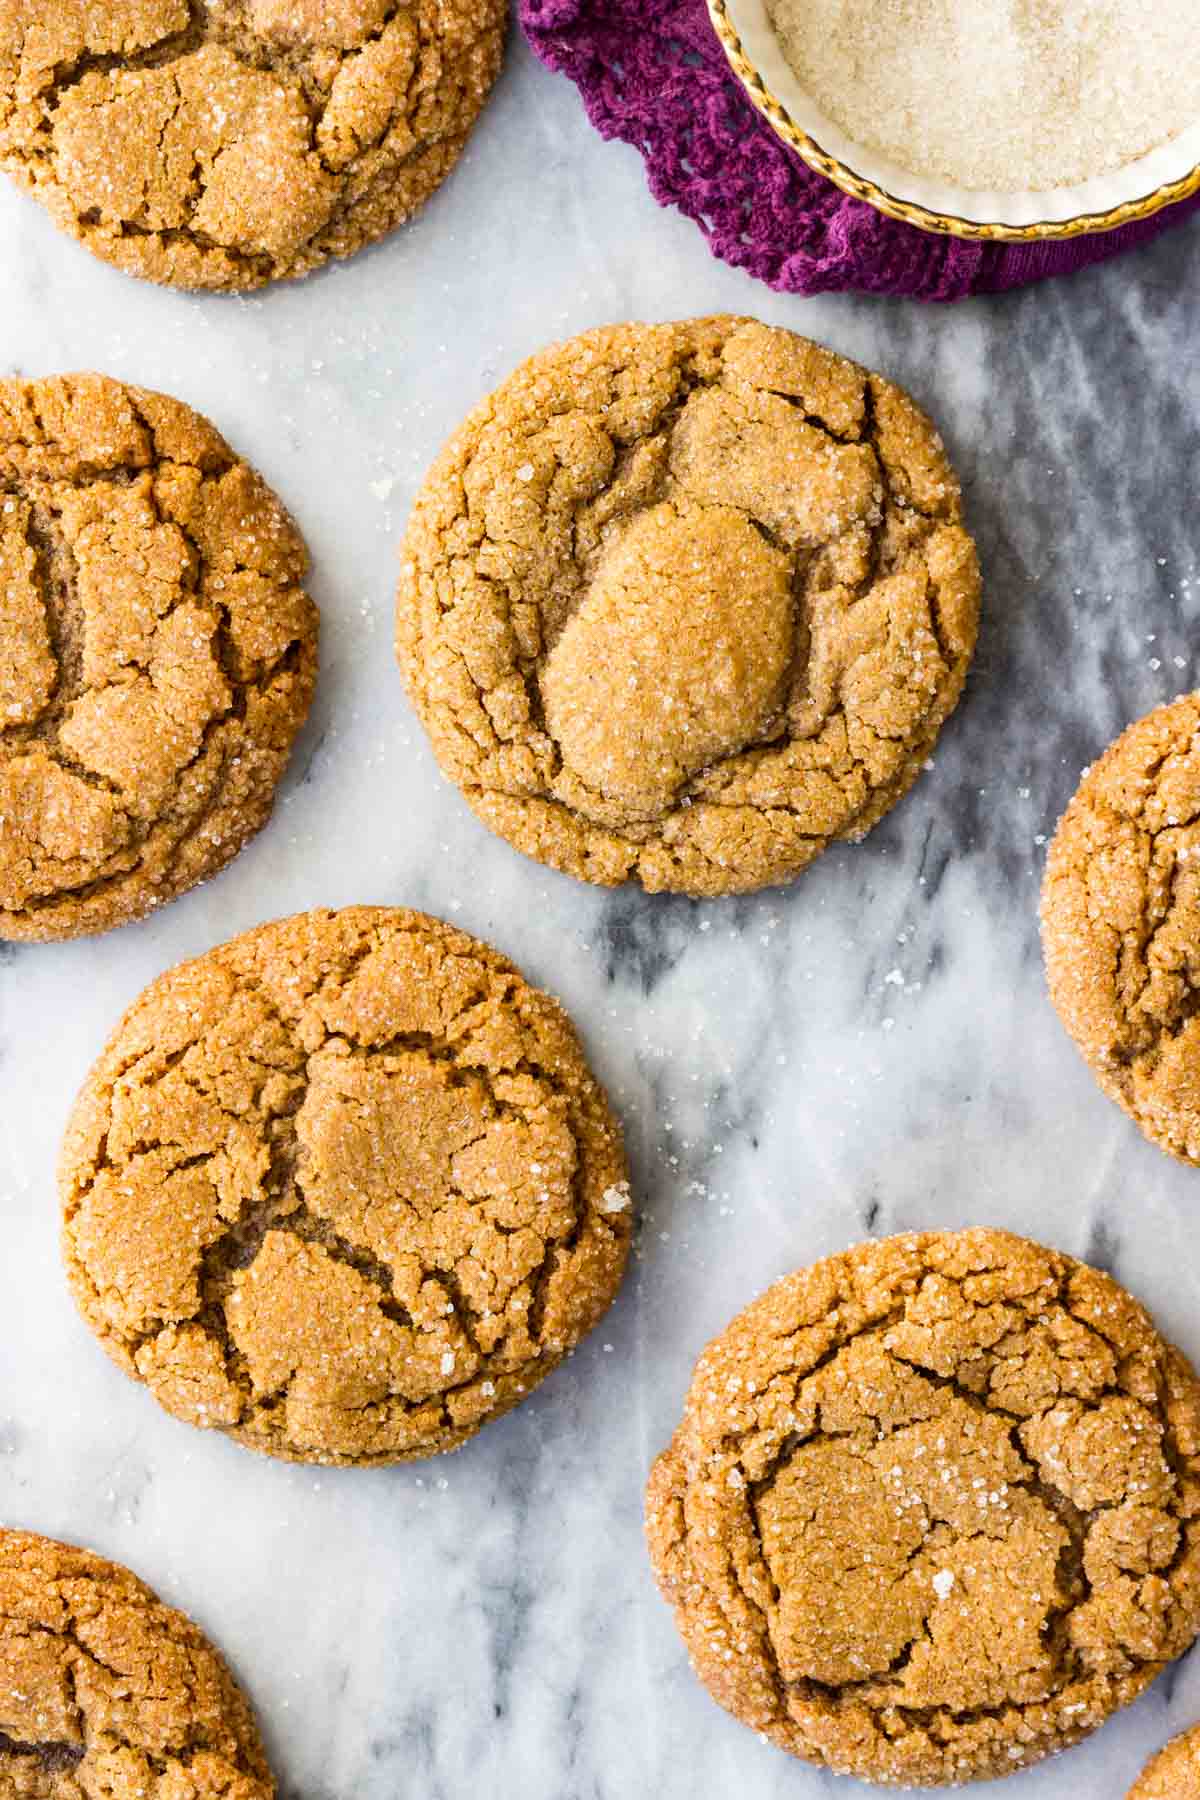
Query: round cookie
column 1174, row 1774
column 157, row 653
column 1121, row 923
column 104, row 1690
column 686, row 603
column 933, row 1509
column 343, row 1188
column 233, row 143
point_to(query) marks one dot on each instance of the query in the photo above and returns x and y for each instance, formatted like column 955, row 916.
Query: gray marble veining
column 868, row 1051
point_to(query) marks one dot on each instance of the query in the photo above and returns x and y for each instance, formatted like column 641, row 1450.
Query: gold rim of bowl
column 910, row 212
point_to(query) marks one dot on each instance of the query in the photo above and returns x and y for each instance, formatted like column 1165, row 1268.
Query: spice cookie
column 1174, row 1774
column 230, row 143
column 1121, row 923
column 933, row 1510
column 157, row 653
column 106, row 1691
column 343, row 1188
column 686, row 603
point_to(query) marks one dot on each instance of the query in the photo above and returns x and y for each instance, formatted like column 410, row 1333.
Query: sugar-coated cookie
column 157, row 652
column 930, row 1514
column 686, row 603
column 1121, row 923
column 104, row 1690
column 229, row 144
column 344, row 1188
column 1174, row 1774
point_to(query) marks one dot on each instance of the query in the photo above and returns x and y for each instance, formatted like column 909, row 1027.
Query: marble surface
column 869, row 1051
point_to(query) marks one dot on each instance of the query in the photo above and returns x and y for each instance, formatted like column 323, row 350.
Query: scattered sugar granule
column 999, row 93
column 616, row 1199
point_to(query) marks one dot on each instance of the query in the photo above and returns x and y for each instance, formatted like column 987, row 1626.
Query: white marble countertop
column 869, row 1051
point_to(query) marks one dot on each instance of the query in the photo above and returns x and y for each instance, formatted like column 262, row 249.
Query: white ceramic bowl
column 1134, row 192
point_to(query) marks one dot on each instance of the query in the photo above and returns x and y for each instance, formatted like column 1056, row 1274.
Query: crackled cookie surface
column 157, row 652
column 343, row 1188
column 106, row 1691
column 1174, row 1774
column 684, row 603
column 933, row 1510
column 226, row 143
column 1121, row 923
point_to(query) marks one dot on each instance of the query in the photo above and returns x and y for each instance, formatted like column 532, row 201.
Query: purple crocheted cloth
column 653, row 73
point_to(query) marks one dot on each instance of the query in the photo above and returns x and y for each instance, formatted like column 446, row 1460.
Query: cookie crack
column 68, row 74
column 257, row 263
column 55, row 1756
column 190, row 825
column 814, row 420
column 60, row 1756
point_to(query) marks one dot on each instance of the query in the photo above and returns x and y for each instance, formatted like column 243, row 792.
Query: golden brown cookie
column 157, row 653
column 227, row 144
column 686, row 603
column 1174, row 1774
column 933, row 1510
column 343, row 1188
column 104, row 1691
column 1121, row 923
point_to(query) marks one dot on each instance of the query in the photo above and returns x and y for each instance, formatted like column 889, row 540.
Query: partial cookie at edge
column 1121, row 923
column 243, row 141
column 159, row 652
column 104, row 1689
column 1174, row 1774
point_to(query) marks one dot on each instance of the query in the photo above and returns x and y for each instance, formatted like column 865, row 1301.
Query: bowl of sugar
column 997, row 119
